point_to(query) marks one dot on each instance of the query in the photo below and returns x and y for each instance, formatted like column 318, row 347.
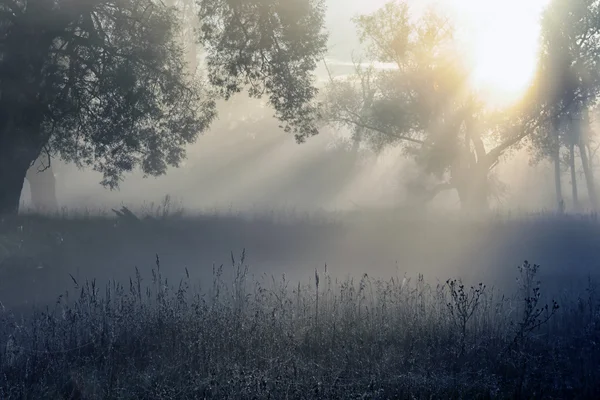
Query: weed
column 257, row 338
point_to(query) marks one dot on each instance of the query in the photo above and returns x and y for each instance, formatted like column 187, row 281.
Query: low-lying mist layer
column 37, row 253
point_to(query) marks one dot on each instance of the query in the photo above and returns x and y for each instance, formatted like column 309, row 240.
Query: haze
column 386, row 199
column 250, row 172
column 247, row 170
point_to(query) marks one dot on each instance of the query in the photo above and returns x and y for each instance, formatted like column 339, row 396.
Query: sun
column 502, row 41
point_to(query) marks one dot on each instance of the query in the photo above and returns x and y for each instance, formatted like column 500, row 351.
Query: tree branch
column 539, row 121
column 366, row 125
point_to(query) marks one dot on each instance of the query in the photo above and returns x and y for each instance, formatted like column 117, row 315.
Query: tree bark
column 20, row 146
column 471, row 184
column 475, row 180
column 473, row 197
column 576, row 206
column 589, row 175
column 13, row 170
column 557, row 181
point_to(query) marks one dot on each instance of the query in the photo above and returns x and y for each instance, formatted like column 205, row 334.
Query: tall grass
column 240, row 337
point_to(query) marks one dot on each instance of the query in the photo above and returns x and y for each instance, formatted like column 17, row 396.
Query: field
column 374, row 305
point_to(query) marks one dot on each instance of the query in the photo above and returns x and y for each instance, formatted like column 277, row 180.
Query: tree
column 187, row 11
column 423, row 103
column 99, row 82
column 568, row 85
column 270, row 46
column 103, row 84
column 40, row 176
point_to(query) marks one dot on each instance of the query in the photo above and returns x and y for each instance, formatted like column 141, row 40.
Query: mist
column 246, row 168
column 260, row 168
column 299, row 199
column 340, row 201
column 247, row 171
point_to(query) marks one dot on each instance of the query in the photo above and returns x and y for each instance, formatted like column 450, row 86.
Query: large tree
column 103, row 83
column 40, row 176
column 423, row 103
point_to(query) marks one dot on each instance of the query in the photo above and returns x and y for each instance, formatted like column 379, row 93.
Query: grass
column 244, row 338
column 225, row 333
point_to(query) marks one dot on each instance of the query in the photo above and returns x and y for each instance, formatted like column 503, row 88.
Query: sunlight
column 503, row 38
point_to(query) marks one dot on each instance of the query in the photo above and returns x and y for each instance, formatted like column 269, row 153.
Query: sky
column 342, row 39
column 501, row 37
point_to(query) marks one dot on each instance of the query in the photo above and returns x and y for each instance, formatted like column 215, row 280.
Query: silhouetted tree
column 103, row 83
column 40, row 176
column 270, row 46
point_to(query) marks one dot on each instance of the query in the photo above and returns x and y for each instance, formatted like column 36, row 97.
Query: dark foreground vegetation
column 191, row 329
column 363, row 338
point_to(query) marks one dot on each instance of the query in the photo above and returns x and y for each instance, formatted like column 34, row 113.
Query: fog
column 235, row 166
column 410, row 209
column 269, row 170
column 248, row 170
column 245, row 163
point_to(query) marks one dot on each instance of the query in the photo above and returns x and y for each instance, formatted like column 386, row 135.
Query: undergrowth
column 239, row 337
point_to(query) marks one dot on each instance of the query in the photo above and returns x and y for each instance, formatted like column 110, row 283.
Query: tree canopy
column 273, row 47
column 109, row 85
column 423, row 101
column 104, row 84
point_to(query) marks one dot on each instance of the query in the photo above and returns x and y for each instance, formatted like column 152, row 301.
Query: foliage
column 270, row 46
column 396, row 105
column 105, row 86
column 423, row 103
column 567, row 81
column 568, row 78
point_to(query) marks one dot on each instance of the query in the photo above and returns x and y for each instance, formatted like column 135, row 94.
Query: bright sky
column 503, row 39
column 500, row 36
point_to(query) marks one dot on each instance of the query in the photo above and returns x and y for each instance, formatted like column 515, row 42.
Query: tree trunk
column 557, row 182
column 13, row 170
column 589, row 175
column 473, row 189
column 43, row 186
column 473, row 199
column 573, row 177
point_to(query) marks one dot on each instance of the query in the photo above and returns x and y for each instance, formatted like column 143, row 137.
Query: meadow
column 393, row 305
